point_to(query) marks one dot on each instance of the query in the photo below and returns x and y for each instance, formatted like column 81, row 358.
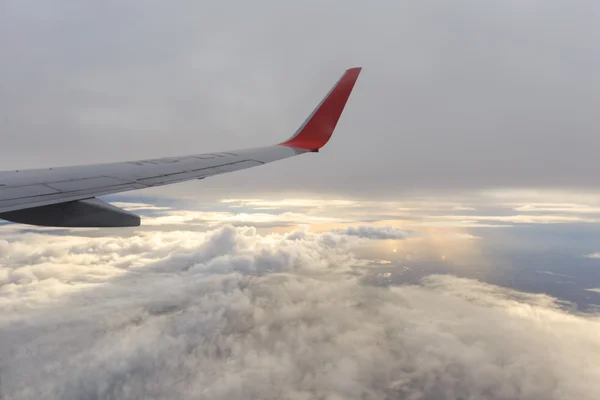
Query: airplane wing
column 66, row 196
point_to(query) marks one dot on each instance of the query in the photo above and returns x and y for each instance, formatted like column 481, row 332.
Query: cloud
column 211, row 218
column 229, row 313
column 129, row 206
column 558, row 208
column 414, row 213
column 290, row 203
column 553, row 274
column 521, row 218
column 372, row 232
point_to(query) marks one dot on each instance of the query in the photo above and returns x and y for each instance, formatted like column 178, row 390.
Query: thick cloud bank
column 231, row 314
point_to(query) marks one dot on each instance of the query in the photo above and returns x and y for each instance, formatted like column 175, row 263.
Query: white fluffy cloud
column 232, row 314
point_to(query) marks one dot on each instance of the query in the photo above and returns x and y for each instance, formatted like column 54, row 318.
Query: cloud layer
column 230, row 313
column 372, row 232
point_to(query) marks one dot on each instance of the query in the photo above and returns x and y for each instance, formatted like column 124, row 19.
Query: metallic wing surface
column 66, row 196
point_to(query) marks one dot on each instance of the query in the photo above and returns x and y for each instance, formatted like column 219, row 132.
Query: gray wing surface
column 66, row 196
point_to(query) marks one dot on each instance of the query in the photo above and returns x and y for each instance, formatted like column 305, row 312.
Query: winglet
column 316, row 131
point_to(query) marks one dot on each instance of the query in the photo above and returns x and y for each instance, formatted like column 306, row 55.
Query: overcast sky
column 462, row 94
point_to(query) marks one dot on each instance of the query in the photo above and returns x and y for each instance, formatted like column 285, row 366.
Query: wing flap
column 198, row 173
column 18, row 192
column 83, row 184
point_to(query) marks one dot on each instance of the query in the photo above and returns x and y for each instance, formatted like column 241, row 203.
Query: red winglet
column 318, row 128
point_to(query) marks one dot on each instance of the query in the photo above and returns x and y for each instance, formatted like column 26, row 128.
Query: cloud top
column 230, row 313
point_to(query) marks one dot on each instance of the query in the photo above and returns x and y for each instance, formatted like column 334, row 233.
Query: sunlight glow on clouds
column 215, row 218
column 230, row 313
column 213, row 305
column 559, row 207
column 520, row 218
column 499, row 209
column 305, row 203
column 129, row 206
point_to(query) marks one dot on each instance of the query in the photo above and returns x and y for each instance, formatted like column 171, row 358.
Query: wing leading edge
column 66, row 196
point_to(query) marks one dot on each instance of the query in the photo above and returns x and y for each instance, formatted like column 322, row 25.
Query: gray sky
column 460, row 94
